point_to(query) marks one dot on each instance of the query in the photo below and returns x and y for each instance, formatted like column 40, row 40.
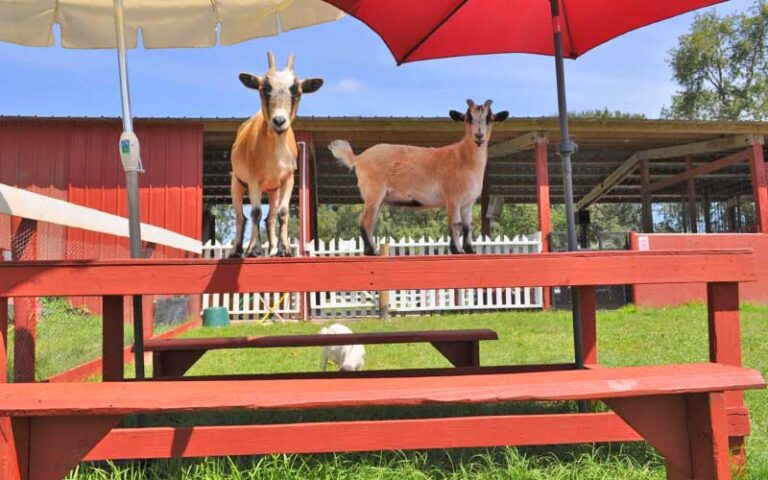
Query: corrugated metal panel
column 36, row 159
column 170, row 189
column 78, row 161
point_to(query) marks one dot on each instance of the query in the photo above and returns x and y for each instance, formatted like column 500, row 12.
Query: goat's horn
column 488, row 102
column 470, row 102
column 271, row 60
column 291, row 61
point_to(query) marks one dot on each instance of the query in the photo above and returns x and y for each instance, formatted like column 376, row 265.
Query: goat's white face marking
column 280, row 99
column 280, row 93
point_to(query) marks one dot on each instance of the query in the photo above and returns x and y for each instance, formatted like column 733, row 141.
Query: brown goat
column 450, row 176
column 264, row 156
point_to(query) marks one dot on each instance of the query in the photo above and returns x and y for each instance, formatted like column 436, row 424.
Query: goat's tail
column 342, row 150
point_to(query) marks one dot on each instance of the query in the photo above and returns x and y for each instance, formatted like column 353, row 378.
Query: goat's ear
column 501, row 116
column 311, row 85
column 250, row 81
column 457, row 116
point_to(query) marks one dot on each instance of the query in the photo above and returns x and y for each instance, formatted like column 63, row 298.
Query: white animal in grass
column 349, row 358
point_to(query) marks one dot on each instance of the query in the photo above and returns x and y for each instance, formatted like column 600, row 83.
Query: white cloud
column 348, row 85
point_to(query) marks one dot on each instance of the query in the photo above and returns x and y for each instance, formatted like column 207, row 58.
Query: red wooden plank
column 759, row 187
column 113, row 367
column 145, row 397
column 150, row 276
column 318, row 340
column 411, row 372
column 9, row 467
column 360, row 436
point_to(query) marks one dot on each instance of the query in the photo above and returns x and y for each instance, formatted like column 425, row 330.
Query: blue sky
column 628, row 74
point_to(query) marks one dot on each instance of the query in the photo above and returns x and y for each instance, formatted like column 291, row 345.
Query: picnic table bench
column 174, row 356
column 694, row 415
column 679, row 409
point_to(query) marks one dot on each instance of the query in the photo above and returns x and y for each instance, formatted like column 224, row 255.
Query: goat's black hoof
column 253, row 254
column 283, row 253
column 235, row 255
column 469, row 250
column 455, row 250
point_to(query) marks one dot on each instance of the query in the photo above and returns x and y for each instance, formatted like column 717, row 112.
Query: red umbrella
column 427, row 29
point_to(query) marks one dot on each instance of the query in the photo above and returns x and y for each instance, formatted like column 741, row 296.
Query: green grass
column 630, row 336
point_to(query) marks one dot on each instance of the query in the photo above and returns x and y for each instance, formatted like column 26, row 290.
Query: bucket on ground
column 215, row 317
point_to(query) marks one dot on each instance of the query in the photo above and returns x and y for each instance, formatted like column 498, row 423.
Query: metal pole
column 566, row 148
column 129, row 152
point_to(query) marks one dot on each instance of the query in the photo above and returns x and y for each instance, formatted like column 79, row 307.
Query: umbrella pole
column 566, row 148
column 129, row 154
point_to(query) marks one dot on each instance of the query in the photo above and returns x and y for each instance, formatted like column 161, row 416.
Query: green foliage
column 606, row 114
column 225, row 222
column 722, row 67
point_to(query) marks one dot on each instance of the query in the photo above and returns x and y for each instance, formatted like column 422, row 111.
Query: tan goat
column 450, row 176
column 264, row 156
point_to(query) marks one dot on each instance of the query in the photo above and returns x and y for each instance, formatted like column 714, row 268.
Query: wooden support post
column 485, row 222
column 647, row 203
column 112, row 367
column 707, row 213
column 543, row 207
column 693, row 213
column 305, row 212
column 588, row 306
column 725, row 347
column 384, row 294
column 24, row 247
column 13, row 447
column 759, row 187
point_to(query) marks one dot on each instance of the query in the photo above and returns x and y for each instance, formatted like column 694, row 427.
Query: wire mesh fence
column 66, row 331
column 591, row 238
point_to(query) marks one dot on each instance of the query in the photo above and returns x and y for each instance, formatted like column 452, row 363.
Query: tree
column 722, row 67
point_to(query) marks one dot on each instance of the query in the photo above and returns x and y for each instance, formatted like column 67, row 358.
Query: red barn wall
column 676, row 294
column 78, row 161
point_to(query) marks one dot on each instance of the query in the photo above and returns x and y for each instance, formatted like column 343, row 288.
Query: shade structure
column 428, row 29
column 162, row 23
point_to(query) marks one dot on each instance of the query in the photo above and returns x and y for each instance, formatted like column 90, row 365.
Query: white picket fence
column 359, row 304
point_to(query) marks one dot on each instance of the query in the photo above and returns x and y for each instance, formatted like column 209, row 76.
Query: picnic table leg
column 112, row 366
column 12, row 467
column 689, row 431
column 460, row 353
column 588, row 307
column 725, row 347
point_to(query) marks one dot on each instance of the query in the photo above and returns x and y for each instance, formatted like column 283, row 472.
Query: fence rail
column 247, row 306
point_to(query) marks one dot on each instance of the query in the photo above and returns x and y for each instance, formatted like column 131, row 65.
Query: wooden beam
column 734, row 158
column 693, row 213
column 321, row 274
column 709, row 146
column 517, row 144
column 647, row 203
column 610, row 181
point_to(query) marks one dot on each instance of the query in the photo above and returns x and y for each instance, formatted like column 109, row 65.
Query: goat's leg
column 274, row 206
column 283, row 244
column 238, row 191
column 368, row 219
column 454, row 227
column 466, row 228
column 254, row 246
